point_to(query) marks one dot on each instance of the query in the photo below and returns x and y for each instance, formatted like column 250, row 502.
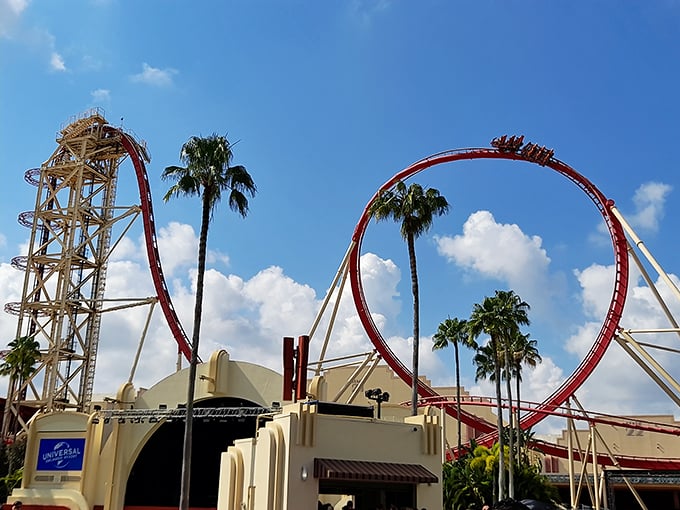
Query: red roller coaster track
column 553, row 404
column 607, row 332
column 137, row 157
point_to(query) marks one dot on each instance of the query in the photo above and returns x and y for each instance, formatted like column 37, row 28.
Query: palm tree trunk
column 511, row 430
column 9, row 418
column 7, row 414
column 517, row 424
column 499, row 421
column 21, row 397
column 416, row 323
column 198, row 309
column 455, row 350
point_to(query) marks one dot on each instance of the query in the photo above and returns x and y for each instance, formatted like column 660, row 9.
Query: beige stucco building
column 314, row 451
column 251, row 451
column 613, row 485
column 659, row 488
column 345, row 388
column 617, row 440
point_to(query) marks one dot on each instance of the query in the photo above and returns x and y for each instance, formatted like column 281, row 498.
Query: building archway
column 154, row 479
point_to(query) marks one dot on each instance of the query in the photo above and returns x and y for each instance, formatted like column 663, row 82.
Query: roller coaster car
column 505, row 144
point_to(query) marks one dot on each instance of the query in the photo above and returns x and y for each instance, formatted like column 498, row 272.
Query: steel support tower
column 65, row 268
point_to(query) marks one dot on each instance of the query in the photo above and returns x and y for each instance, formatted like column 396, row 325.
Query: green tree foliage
column 470, row 482
column 19, row 365
column 24, row 352
column 415, row 208
column 9, row 482
column 11, row 462
column 208, row 174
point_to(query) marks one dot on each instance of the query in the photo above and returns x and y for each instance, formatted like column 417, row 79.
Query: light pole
column 378, row 395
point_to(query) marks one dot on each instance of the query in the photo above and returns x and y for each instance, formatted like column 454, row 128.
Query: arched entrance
column 154, row 480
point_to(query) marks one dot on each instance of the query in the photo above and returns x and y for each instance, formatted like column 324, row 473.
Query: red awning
column 369, row 471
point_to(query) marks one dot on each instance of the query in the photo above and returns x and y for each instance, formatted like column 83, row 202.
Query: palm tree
column 454, row 332
column 512, row 303
column 208, row 173
column 524, row 351
column 507, row 375
column 415, row 208
column 24, row 353
column 19, row 365
column 499, row 317
column 485, row 363
column 486, row 360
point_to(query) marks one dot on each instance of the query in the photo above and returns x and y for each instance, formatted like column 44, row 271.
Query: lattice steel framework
column 65, row 269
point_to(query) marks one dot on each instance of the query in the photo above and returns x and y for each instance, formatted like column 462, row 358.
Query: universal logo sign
column 61, row 454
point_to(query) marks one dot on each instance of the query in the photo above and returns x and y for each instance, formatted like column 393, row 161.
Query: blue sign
column 61, row 454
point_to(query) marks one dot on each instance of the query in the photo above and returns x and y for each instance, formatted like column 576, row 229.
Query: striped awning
column 371, row 471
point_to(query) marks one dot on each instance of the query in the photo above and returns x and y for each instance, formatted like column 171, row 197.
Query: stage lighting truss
column 139, row 416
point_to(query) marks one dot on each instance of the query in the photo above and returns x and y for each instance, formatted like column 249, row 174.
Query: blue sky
column 326, row 101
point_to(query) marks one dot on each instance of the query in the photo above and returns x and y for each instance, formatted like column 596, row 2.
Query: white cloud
column 280, row 300
column 635, row 391
column 217, row 258
column 537, row 383
column 495, row 250
column 91, row 63
column 154, row 76
column 363, row 11
column 100, row 96
column 126, row 249
column 649, row 200
column 596, row 281
column 44, row 43
column 38, row 39
column 249, row 317
column 10, row 289
column 540, row 381
column 57, row 62
column 15, row 6
column 649, row 203
column 178, row 246
column 380, row 279
column 10, row 12
column 504, row 253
